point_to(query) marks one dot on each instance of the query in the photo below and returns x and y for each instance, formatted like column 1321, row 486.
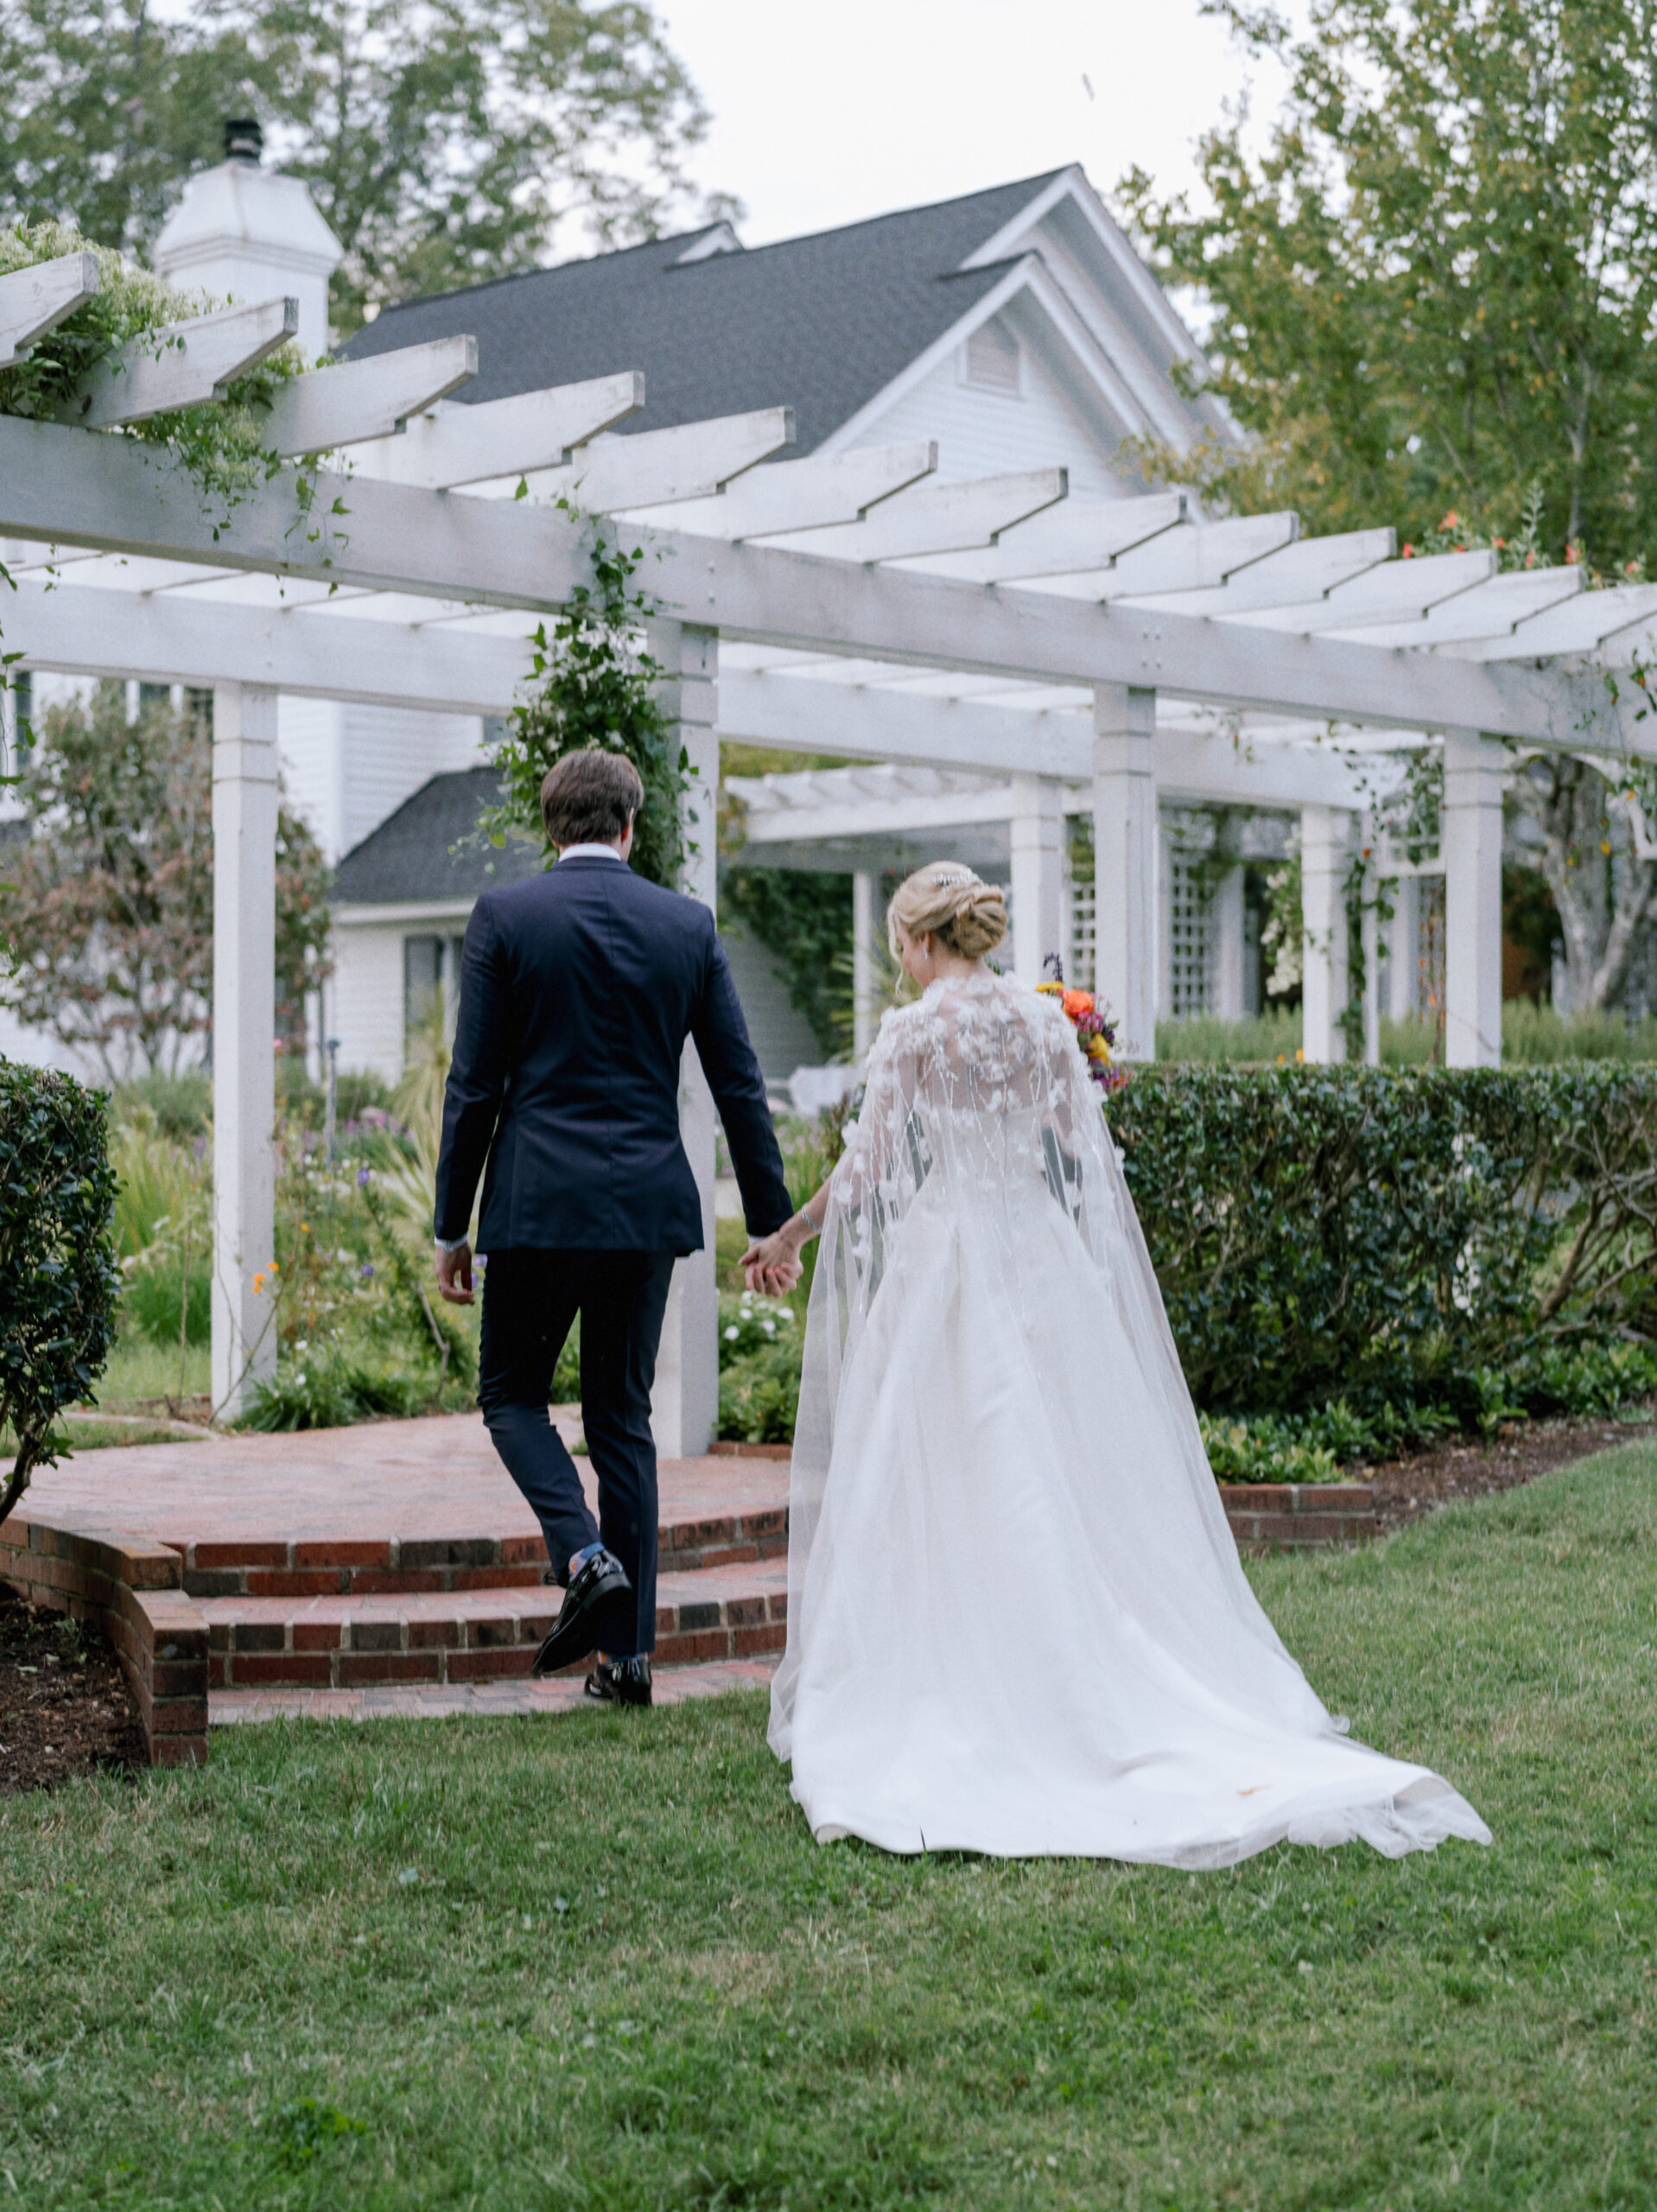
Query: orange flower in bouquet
column 1096, row 1032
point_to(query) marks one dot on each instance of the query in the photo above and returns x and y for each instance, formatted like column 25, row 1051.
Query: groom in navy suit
column 578, row 988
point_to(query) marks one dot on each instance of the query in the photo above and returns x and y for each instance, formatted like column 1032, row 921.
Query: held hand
column 454, row 1275
column 771, row 1264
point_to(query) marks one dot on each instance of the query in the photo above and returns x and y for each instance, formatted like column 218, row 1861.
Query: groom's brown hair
column 588, row 799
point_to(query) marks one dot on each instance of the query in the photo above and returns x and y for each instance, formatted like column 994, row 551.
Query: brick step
column 337, row 1641
column 513, row 1694
column 363, row 1567
column 1291, row 1516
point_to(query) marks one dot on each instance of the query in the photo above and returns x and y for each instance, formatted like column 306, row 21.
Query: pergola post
column 244, row 1030
column 684, row 1406
column 1228, row 919
column 1037, row 838
column 1404, row 949
column 863, row 984
column 1471, row 845
column 1324, row 832
column 1371, row 941
column 1125, row 863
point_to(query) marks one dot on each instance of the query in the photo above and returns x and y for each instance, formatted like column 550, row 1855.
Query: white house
column 1016, row 326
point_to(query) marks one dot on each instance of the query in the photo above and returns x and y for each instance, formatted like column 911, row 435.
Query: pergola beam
column 691, row 461
column 794, row 714
column 943, row 517
column 165, row 638
column 1080, row 535
column 355, row 400
column 35, row 300
column 482, row 440
column 809, row 494
column 59, row 486
column 182, row 366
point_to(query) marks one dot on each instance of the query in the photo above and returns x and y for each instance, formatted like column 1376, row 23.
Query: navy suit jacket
column 578, row 990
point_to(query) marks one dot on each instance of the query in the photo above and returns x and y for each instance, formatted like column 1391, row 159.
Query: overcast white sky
column 827, row 111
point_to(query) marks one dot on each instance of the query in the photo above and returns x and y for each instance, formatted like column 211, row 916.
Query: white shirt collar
column 590, row 853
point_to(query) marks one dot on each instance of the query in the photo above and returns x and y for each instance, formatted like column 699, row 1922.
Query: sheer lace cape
column 978, row 1100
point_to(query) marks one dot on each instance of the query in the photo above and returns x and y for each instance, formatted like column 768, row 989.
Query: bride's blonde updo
column 967, row 915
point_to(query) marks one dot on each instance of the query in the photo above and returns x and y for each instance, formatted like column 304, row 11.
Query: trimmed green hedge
column 1463, row 1239
column 59, row 1280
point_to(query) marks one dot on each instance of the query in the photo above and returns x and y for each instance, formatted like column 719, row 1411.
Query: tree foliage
column 108, row 901
column 1434, row 288
column 445, row 140
column 596, row 690
column 804, row 919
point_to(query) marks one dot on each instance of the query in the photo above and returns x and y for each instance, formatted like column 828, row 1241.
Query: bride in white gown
column 1017, row 1623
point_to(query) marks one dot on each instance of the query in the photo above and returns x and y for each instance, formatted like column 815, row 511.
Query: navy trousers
column 529, row 1300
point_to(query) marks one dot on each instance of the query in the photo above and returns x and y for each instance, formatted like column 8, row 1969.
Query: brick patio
column 393, row 1567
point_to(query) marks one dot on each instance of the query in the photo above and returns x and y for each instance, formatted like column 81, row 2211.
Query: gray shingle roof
column 820, row 324
column 408, row 858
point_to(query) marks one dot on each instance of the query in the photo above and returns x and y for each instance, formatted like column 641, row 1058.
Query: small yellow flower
column 1605, row 844
column 1300, row 1051
column 304, row 1229
column 258, row 1285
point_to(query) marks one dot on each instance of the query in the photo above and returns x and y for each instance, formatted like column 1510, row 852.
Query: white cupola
column 245, row 233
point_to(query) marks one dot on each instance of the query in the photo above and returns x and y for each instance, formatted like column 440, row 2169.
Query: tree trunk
column 1604, row 891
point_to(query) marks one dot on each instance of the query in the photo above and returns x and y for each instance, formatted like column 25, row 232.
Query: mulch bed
column 1406, row 1489
column 65, row 1708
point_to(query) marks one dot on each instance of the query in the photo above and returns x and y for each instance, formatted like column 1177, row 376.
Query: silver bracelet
column 812, row 1228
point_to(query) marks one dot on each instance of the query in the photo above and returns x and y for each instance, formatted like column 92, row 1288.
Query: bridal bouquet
column 1096, row 1032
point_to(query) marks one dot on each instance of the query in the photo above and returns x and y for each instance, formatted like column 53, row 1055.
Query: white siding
column 309, row 754
column 390, row 752
column 39, row 1048
column 983, row 433
column 782, row 1037
column 365, row 1007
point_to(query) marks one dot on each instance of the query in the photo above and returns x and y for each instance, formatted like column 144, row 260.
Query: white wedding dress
column 1017, row 1622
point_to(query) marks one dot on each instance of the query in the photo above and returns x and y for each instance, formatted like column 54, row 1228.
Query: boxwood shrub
column 1476, row 1241
column 57, row 1264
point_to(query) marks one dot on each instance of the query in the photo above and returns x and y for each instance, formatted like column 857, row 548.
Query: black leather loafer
column 576, row 1630
column 621, row 1682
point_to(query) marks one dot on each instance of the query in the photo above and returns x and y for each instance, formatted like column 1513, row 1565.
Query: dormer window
column 992, row 360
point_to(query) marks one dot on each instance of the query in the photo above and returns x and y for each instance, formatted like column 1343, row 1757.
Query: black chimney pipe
column 243, row 140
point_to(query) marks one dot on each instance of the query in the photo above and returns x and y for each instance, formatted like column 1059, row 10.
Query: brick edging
column 1293, row 1516
column 132, row 1589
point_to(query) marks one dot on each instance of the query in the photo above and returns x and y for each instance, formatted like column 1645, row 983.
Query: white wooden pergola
column 855, row 605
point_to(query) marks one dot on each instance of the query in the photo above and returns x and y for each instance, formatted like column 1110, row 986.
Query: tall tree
column 108, row 900
column 1435, row 286
column 1433, row 293
column 107, row 109
column 446, row 140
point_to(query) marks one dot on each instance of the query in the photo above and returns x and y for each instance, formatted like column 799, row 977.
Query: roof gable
column 821, row 324
column 417, row 856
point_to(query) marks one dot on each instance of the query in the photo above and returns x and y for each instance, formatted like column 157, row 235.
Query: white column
column 1038, row 837
column 1472, row 853
column 684, row 1406
column 1125, row 863
column 863, row 983
column 1371, row 941
column 1228, row 945
column 1404, row 949
column 1324, row 840
column 244, row 1029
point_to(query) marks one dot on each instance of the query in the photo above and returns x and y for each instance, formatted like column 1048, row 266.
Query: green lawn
column 596, row 1963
